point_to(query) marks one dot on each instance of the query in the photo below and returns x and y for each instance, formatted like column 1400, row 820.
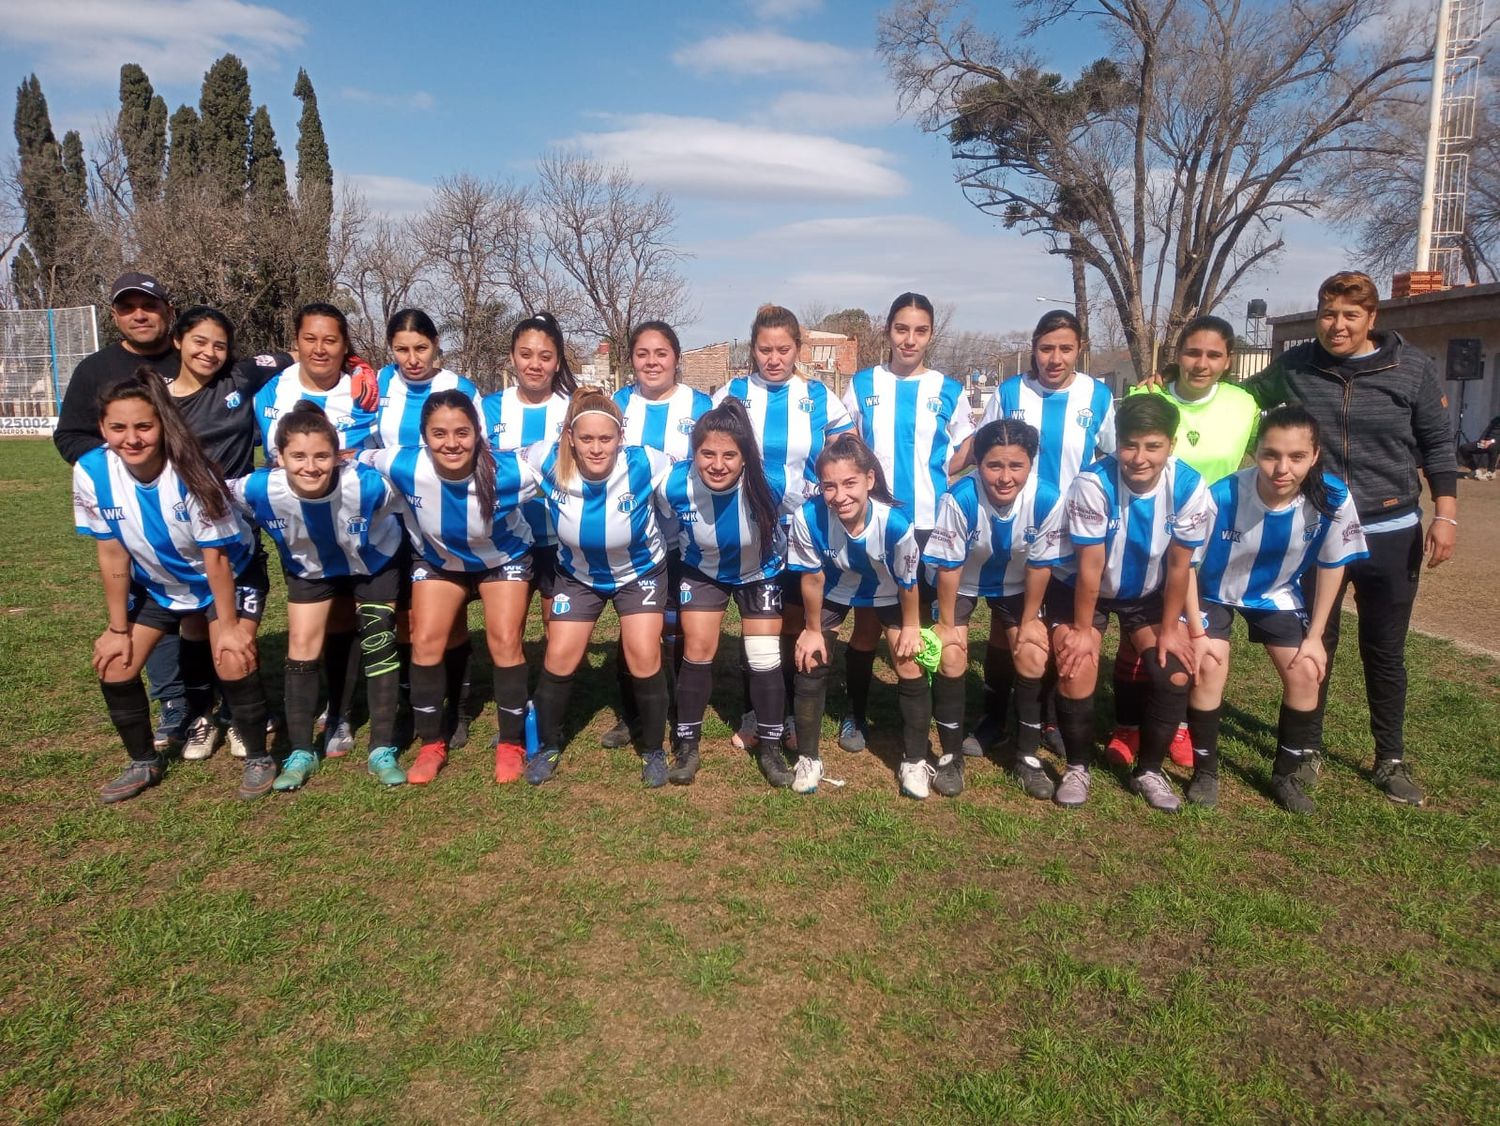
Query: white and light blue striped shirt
column 994, row 548
column 1076, row 423
column 399, row 421
column 869, row 570
column 355, row 426
column 793, row 420
column 666, row 424
column 160, row 524
column 513, row 424
column 715, row 531
column 353, row 530
column 608, row 534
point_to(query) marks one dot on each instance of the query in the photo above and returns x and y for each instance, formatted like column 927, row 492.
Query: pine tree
column 43, row 193
column 314, row 194
column 142, row 125
column 268, row 188
column 268, row 206
column 224, row 106
column 75, row 182
column 185, row 158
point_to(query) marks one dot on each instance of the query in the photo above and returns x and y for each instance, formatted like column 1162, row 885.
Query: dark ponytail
column 563, row 382
column 849, row 446
column 1006, row 432
column 305, row 417
column 179, row 444
column 731, row 418
column 483, row 468
column 1292, row 416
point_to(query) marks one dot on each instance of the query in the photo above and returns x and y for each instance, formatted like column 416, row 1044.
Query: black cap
column 137, row 282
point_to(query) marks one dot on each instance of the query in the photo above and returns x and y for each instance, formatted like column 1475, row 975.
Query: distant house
column 706, row 368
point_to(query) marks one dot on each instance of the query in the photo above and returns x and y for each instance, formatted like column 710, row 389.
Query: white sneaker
column 745, row 738
column 236, row 744
column 806, row 775
column 201, row 739
column 916, row 779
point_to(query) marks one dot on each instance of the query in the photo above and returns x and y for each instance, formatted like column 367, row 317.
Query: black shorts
column 1282, row 628
column 1005, row 609
column 791, row 586
column 756, row 601
column 1134, row 613
column 383, row 586
column 516, row 571
column 250, row 588
column 574, row 601
column 544, row 567
column 834, row 614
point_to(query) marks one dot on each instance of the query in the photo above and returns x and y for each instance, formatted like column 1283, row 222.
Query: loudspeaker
column 1466, row 358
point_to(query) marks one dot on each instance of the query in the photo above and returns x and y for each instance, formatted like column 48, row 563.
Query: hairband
column 596, row 410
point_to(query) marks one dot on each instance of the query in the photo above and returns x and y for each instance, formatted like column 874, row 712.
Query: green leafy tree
column 314, row 194
column 44, row 198
column 224, row 106
column 142, row 126
column 185, row 158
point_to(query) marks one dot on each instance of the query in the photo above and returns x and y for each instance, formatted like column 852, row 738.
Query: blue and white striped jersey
column 443, row 516
column 914, row 425
column 354, row 530
column 665, row 425
column 994, row 548
column 399, row 421
column 1077, row 423
column 794, row 420
column 514, row 424
column 280, row 395
column 160, row 524
column 1136, row 530
column 715, row 531
column 608, row 534
column 1255, row 554
column 871, row 570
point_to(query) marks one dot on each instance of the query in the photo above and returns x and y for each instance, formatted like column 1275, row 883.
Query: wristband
column 120, row 631
column 1447, row 519
column 1196, row 636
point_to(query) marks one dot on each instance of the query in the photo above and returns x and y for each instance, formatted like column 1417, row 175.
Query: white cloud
column 713, row 159
column 393, row 196
column 763, row 52
column 417, row 99
column 173, row 40
column 783, row 9
column 830, row 109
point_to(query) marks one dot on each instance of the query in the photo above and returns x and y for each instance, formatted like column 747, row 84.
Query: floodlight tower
column 1450, row 129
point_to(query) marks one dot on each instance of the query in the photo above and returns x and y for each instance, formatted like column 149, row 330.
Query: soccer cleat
column 987, row 733
column 1073, row 790
column 510, row 763
column 458, row 739
column 1154, row 787
column 139, row 775
column 772, row 765
column 807, row 775
column 1124, row 744
column 201, row 739
column 1204, row 790
column 916, row 779
column 685, row 763
column 616, row 737
column 654, row 769
column 851, row 735
column 745, row 738
column 257, row 778
column 1181, row 749
column 237, row 746
column 1290, row 792
column 1035, row 783
column 789, row 733
column 340, row 740
column 948, row 779
column 430, row 759
column 1394, row 777
column 296, row 770
column 383, row 767
column 542, row 765
column 173, row 723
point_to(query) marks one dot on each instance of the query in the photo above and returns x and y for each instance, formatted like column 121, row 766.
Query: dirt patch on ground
column 1460, row 600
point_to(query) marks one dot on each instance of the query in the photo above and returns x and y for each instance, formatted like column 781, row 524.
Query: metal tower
column 1450, row 130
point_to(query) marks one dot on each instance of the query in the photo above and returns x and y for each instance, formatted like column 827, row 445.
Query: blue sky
column 770, row 122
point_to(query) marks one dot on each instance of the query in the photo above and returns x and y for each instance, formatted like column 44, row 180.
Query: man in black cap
column 143, row 313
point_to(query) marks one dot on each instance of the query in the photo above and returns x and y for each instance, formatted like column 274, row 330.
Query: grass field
column 591, row 952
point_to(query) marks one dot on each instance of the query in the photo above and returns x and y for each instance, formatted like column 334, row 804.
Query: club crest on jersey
column 1192, row 437
column 627, row 502
column 1310, row 532
column 935, row 405
column 561, row 603
column 180, row 511
column 232, row 400
column 805, row 406
column 685, row 593
column 684, row 426
column 1085, row 418
column 343, row 422
column 357, row 526
column 1031, row 533
column 420, row 573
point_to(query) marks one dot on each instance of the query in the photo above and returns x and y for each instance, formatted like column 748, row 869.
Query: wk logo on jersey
column 561, row 604
column 112, row 513
column 1085, row 418
column 559, row 497
column 275, row 524
column 1018, row 413
column 357, row 526
column 232, row 400
column 872, row 401
column 414, row 500
column 1231, row 535
column 688, row 515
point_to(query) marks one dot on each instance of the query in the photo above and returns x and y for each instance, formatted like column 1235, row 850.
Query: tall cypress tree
column 185, row 158
column 314, row 194
column 142, row 125
column 75, row 175
column 268, row 189
column 43, row 194
column 268, row 206
column 224, row 106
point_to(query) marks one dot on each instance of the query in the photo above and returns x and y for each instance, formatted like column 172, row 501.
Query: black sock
column 551, row 700
column 916, row 717
column 510, row 703
column 195, row 663
column 948, row 710
column 789, row 665
column 1075, row 720
column 1298, row 735
column 1028, row 715
column 1130, row 695
column 382, row 667
column 859, row 670
column 427, row 685
column 1203, row 726
column 629, row 711
column 130, row 712
column 768, row 702
column 300, row 699
column 403, row 654
column 808, row 702
column 695, row 681
column 457, row 664
column 247, row 704
column 999, row 677
column 651, row 698
column 1049, row 694
column 1166, row 706
column 341, row 667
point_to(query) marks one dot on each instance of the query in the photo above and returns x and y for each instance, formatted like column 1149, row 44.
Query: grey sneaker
column 948, row 779
column 1154, row 787
column 257, row 778
column 685, row 763
column 1073, row 790
column 773, row 767
column 139, row 775
column 1033, row 777
column 987, row 732
column 1310, row 769
column 1290, row 792
column 851, row 735
column 616, row 737
column 1394, row 777
column 340, row 740
column 1204, row 790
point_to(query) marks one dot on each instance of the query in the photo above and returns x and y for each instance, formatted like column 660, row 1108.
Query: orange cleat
column 1181, row 750
column 1123, row 746
column 510, row 761
column 430, row 759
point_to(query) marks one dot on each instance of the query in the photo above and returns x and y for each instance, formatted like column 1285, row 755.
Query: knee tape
column 763, row 654
column 377, row 638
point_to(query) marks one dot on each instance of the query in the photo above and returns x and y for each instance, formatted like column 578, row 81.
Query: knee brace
column 1161, row 678
column 377, row 638
column 763, row 654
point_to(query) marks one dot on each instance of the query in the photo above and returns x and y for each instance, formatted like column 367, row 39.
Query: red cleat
column 430, row 759
column 1123, row 746
column 1181, row 750
column 510, row 761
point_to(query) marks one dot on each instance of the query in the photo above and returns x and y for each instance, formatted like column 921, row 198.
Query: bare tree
column 602, row 230
column 1165, row 176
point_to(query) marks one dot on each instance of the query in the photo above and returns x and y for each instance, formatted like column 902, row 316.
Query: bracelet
column 1447, row 519
column 1196, row 636
column 121, row 631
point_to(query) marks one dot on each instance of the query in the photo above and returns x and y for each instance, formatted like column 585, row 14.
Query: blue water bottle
column 531, row 741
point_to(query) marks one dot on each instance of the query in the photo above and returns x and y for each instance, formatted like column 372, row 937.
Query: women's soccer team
column 392, row 507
